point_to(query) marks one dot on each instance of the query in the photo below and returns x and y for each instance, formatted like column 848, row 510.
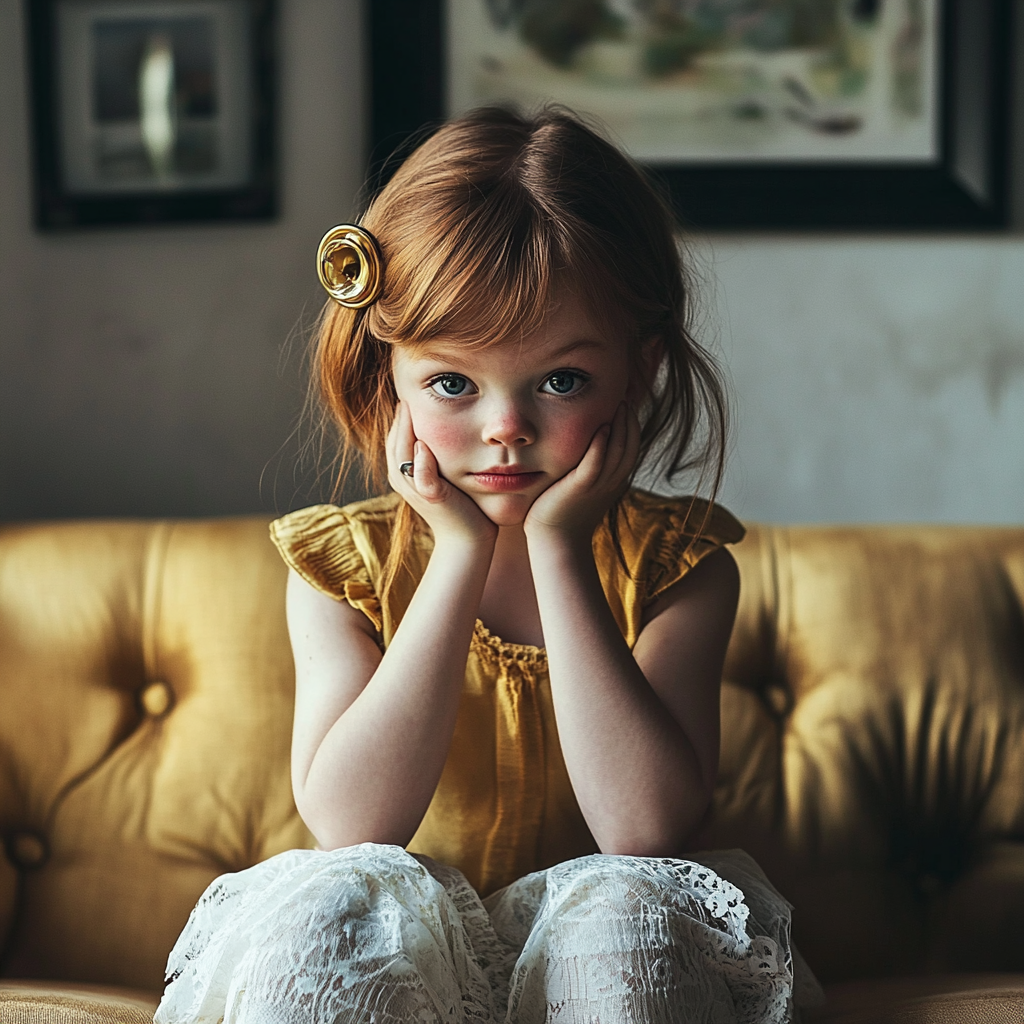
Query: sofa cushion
column 872, row 739
column 929, row 999
column 146, row 684
column 873, row 743
column 51, row 1002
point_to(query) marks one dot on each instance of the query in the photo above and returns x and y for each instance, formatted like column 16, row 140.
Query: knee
column 608, row 882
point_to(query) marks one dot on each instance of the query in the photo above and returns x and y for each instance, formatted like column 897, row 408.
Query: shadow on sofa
column 872, row 760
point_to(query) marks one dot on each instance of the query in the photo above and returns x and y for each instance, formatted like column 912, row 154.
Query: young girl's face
column 505, row 422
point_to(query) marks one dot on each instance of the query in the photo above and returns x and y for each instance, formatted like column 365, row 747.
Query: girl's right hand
column 450, row 513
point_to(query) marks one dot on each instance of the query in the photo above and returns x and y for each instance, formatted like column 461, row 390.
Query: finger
column 617, row 439
column 613, row 443
column 389, row 444
column 593, row 461
column 620, row 479
column 407, row 436
column 629, row 435
column 426, row 475
column 399, row 447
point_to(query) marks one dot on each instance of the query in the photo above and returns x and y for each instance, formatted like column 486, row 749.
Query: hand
column 575, row 504
column 449, row 512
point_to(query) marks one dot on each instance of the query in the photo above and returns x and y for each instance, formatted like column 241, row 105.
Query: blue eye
column 564, row 382
column 450, row 385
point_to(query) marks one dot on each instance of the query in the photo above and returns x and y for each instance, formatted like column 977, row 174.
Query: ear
column 652, row 354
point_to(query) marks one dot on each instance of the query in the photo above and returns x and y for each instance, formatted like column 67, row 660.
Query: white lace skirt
column 373, row 934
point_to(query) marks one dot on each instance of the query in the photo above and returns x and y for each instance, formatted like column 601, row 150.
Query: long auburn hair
column 477, row 227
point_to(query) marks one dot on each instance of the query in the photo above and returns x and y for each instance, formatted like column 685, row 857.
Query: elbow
column 335, row 828
column 668, row 834
column 641, row 849
column 337, row 835
column 654, row 844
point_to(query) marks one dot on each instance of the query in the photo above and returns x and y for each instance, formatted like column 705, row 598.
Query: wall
column 142, row 370
column 875, row 379
column 146, row 371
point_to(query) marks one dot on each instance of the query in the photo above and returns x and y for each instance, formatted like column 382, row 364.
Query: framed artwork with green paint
column 755, row 114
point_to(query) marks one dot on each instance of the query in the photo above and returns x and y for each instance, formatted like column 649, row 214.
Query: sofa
column 872, row 756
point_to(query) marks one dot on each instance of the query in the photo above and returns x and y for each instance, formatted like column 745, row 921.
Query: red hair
column 476, row 228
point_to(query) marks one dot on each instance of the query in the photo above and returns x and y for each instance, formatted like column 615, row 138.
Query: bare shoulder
column 311, row 612
column 335, row 646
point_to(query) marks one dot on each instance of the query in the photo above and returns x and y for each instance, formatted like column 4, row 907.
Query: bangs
column 492, row 287
column 474, row 256
column 493, row 284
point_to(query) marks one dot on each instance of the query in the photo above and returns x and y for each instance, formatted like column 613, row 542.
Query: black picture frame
column 966, row 187
column 229, row 171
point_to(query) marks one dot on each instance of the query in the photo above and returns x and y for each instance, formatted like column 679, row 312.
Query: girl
column 507, row 669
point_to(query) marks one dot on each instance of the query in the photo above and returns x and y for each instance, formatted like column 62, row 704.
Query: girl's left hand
column 576, row 503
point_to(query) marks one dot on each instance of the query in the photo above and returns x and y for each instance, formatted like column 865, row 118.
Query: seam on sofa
column 152, row 595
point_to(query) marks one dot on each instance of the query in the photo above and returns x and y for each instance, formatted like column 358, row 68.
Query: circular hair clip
column 350, row 266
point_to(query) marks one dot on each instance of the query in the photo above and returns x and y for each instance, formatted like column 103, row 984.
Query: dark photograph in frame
column 754, row 114
column 148, row 111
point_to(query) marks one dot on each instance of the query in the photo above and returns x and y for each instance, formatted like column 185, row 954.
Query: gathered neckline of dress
column 491, row 645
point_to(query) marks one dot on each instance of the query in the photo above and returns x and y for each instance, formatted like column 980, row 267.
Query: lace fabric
column 374, row 934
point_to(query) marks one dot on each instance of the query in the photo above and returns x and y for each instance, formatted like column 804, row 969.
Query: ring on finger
column 406, row 469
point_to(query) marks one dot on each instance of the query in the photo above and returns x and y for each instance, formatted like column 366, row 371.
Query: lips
column 505, row 478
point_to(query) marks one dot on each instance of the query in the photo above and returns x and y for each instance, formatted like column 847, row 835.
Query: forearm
column 633, row 768
column 376, row 769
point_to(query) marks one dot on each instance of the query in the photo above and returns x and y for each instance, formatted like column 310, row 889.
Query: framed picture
column 152, row 110
column 765, row 114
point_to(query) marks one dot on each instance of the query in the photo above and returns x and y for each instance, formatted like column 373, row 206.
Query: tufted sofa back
column 873, row 739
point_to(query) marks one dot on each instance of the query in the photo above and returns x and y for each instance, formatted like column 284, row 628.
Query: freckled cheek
column 569, row 441
column 442, row 433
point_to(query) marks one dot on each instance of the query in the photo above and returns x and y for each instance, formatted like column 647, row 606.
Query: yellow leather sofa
column 873, row 755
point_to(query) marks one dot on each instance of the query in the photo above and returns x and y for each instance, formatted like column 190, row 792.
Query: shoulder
column 663, row 538
column 660, row 540
column 331, row 546
column 689, row 516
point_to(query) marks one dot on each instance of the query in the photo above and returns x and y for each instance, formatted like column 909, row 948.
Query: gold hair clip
column 349, row 263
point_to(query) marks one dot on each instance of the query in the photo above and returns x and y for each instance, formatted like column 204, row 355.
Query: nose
column 507, row 424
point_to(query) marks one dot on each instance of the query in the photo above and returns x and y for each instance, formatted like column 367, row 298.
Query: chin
column 505, row 509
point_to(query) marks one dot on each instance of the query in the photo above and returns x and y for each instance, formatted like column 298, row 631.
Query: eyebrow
column 452, row 358
column 572, row 346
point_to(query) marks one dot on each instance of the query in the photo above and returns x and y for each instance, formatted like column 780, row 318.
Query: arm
column 638, row 730
column 372, row 732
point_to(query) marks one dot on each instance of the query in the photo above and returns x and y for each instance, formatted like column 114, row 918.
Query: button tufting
column 26, row 850
column 156, row 698
column 779, row 699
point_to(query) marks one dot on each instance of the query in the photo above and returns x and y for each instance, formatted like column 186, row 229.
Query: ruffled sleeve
column 318, row 543
column 662, row 539
column 693, row 529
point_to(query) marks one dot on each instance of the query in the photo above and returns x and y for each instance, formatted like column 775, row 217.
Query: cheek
column 438, row 429
column 570, row 438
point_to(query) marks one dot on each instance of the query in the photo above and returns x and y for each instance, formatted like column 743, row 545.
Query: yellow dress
column 375, row 932
column 504, row 806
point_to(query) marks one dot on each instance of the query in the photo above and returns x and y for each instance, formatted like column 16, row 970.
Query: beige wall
column 143, row 371
column 875, row 379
